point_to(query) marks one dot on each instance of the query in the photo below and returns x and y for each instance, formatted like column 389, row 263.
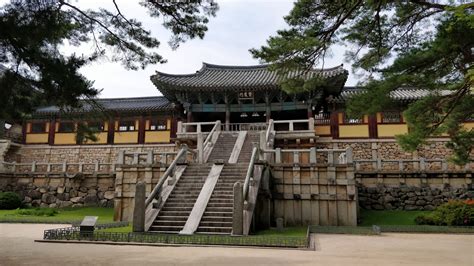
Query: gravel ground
column 17, row 247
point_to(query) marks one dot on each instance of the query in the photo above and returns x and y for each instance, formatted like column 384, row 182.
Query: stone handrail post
column 291, row 127
column 278, row 155
column 349, row 155
column 64, row 166
column 121, row 157
column 312, row 155
column 180, row 127
column 96, row 166
column 422, row 164
column 200, row 147
column 296, row 157
column 139, row 208
column 33, row 166
column 238, row 210
column 331, row 157
column 311, row 123
column 149, row 157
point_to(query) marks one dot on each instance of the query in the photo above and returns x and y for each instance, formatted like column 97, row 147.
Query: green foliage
column 9, row 201
column 39, row 73
column 66, row 215
column 455, row 212
column 47, row 212
column 391, row 45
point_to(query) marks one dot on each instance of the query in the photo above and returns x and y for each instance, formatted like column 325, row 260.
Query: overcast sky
column 238, row 26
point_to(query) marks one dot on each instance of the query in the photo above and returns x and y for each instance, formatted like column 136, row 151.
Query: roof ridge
column 132, row 98
column 237, row 67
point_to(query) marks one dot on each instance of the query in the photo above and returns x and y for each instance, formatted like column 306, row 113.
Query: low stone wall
column 408, row 197
column 417, row 191
column 386, row 149
column 60, row 192
column 79, row 153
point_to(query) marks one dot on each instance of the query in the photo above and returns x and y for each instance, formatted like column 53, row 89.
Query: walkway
column 17, row 248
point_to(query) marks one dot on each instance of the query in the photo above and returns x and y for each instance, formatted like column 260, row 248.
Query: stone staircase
column 217, row 218
column 223, row 147
column 246, row 151
column 178, row 206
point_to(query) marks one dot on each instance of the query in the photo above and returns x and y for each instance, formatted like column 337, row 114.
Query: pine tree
column 391, row 44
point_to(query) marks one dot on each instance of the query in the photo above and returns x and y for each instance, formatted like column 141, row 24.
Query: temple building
column 226, row 150
column 238, row 96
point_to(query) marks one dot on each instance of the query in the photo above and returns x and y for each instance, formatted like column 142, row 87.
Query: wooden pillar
column 334, row 120
column 52, row 131
column 111, row 131
column 189, row 115
column 227, row 117
column 24, row 131
column 141, row 130
column 268, row 112
column 373, row 126
column 310, row 110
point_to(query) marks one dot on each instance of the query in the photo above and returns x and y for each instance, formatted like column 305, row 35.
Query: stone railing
column 289, row 125
column 144, row 158
column 404, row 165
column 58, row 168
column 311, row 156
column 244, row 126
column 194, row 127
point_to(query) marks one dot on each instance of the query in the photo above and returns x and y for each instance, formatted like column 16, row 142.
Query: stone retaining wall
column 408, row 197
column 59, row 192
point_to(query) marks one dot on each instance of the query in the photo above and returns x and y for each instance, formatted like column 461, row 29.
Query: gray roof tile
column 156, row 103
column 401, row 94
column 230, row 77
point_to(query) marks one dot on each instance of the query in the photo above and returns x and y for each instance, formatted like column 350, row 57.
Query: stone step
column 170, row 223
column 179, row 204
column 216, row 218
column 171, row 218
column 181, row 209
column 217, row 213
column 215, row 224
column 174, row 213
column 211, row 230
column 219, row 209
column 220, row 204
column 163, row 228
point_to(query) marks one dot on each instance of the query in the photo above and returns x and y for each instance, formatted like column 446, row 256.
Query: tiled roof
column 157, row 103
column 231, row 77
column 402, row 94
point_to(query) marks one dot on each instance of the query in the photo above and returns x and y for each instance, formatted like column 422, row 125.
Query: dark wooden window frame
column 61, row 130
column 32, row 123
column 130, row 122
column 164, row 122
column 402, row 121
column 344, row 119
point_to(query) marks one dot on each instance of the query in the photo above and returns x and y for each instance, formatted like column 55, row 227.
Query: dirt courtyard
column 17, row 247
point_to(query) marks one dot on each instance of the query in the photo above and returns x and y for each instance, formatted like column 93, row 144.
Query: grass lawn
column 371, row 217
column 125, row 229
column 66, row 215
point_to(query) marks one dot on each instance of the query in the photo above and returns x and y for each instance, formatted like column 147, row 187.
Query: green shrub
column 38, row 212
column 9, row 201
column 455, row 212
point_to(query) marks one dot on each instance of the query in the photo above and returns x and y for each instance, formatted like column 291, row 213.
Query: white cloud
column 238, row 26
